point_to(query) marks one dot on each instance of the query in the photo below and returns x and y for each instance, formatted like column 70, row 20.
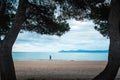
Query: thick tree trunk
column 6, row 64
column 110, row 72
column 6, row 61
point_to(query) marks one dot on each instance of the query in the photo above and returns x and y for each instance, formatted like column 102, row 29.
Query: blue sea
column 77, row 56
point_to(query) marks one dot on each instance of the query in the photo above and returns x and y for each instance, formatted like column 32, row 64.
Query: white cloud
column 81, row 36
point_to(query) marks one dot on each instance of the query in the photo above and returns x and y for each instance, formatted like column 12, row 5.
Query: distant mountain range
column 85, row 51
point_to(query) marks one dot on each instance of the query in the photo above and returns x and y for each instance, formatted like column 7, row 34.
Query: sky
column 82, row 35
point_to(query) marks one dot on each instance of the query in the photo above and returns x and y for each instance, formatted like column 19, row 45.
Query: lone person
column 50, row 57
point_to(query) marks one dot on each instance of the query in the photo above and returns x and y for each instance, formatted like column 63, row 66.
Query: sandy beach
column 58, row 70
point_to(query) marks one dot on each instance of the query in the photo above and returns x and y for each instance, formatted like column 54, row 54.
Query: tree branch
column 19, row 19
column 40, row 9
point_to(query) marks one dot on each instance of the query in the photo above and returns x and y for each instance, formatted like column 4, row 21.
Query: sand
column 58, row 70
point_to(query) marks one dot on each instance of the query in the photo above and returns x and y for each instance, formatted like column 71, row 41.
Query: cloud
column 81, row 36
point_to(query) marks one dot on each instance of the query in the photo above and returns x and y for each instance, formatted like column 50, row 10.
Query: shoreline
column 58, row 69
column 60, row 60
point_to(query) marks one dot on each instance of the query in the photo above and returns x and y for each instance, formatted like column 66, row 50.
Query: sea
column 75, row 56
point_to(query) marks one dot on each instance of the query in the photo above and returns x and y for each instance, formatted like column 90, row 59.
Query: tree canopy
column 95, row 10
column 49, row 16
column 39, row 18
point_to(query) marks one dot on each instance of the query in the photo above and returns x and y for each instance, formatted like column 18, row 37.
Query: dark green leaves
column 41, row 19
column 96, row 10
column 41, row 16
column 99, row 14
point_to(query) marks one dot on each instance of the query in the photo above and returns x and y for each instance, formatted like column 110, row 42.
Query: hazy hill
column 87, row 51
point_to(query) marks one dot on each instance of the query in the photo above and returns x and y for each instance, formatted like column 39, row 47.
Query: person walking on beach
column 50, row 57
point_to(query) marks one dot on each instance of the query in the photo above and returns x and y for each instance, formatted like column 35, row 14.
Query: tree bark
column 110, row 71
column 6, row 62
column 19, row 20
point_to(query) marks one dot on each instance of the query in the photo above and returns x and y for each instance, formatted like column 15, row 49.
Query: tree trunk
column 6, row 64
column 6, row 61
column 110, row 71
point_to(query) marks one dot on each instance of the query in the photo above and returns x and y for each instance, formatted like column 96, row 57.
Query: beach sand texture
column 58, row 70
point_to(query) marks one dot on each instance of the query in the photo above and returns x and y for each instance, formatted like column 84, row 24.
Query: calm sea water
column 60, row 56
